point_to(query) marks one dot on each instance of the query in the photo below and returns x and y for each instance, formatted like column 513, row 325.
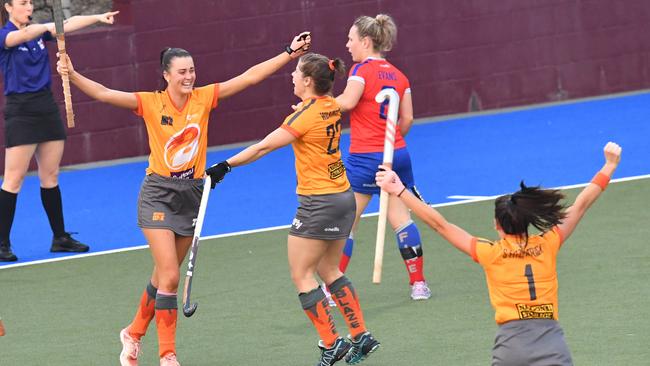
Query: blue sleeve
column 47, row 36
column 3, row 36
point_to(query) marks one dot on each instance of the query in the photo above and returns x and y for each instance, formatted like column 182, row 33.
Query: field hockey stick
column 188, row 308
column 385, row 95
column 60, row 43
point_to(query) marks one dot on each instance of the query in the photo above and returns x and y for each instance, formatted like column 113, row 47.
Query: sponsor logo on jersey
column 185, row 174
column 182, row 148
column 336, row 169
column 332, row 229
column 542, row 311
column 166, row 121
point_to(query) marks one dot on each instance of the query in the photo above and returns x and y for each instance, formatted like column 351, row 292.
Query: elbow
column 251, row 79
column 406, row 120
column 344, row 104
column 344, row 107
column 435, row 224
column 262, row 149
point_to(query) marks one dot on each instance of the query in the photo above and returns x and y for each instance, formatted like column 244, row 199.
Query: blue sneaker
column 361, row 348
column 329, row 356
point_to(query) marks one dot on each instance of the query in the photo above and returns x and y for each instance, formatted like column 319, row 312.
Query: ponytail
column 381, row 30
column 322, row 70
column 534, row 206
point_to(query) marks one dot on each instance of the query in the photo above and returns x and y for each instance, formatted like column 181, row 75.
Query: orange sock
column 145, row 313
column 166, row 316
column 348, row 304
column 318, row 311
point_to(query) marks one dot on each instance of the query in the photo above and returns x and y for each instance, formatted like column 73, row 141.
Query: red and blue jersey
column 368, row 118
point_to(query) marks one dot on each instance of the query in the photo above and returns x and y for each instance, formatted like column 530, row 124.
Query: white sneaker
column 420, row 291
column 328, row 296
column 169, row 360
column 130, row 349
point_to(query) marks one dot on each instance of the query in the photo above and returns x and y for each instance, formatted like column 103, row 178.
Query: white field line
column 461, row 197
column 470, row 199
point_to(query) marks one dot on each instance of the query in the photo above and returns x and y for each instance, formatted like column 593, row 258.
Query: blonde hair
column 381, row 30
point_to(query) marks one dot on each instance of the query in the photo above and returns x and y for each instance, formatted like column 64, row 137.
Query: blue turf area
column 475, row 155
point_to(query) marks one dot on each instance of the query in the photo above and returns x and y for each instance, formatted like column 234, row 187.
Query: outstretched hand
column 388, row 180
column 612, row 153
column 107, row 18
column 300, row 44
column 64, row 64
column 217, row 172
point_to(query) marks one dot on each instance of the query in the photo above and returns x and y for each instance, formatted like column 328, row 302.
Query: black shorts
column 31, row 118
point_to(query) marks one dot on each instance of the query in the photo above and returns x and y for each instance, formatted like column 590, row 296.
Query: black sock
column 51, row 198
column 7, row 212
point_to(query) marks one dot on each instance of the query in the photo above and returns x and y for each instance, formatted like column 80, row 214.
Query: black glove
column 217, row 172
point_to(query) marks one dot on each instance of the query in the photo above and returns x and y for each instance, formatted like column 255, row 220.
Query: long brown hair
column 529, row 206
column 322, row 70
column 4, row 15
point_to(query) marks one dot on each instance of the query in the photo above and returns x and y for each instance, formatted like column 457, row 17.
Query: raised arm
column 390, row 182
column 261, row 71
column 82, row 21
column 405, row 114
column 592, row 191
column 32, row 31
column 96, row 90
column 275, row 140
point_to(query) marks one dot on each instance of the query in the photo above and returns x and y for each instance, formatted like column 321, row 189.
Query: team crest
column 181, row 149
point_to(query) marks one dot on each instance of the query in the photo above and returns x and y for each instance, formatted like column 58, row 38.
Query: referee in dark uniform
column 33, row 125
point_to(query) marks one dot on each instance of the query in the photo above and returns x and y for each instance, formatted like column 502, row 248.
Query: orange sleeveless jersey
column 178, row 138
column 521, row 278
column 317, row 128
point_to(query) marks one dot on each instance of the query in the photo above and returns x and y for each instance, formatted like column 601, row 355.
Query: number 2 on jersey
column 383, row 107
column 332, row 131
column 531, row 281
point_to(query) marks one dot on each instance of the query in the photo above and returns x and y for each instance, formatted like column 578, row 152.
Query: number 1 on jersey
column 531, row 281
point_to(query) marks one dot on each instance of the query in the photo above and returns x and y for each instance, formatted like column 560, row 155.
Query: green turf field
column 70, row 313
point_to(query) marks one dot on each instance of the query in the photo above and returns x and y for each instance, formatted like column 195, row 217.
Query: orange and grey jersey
column 317, row 128
column 178, row 135
column 521, row 275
